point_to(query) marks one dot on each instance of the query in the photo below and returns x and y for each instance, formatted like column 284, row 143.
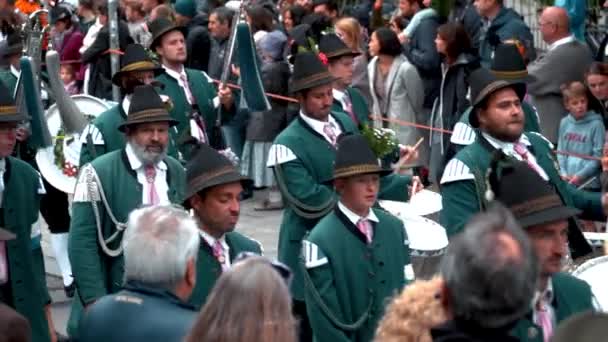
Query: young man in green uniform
column 340, row 60
column 110, row 187
column 102, row 136
column 302, row 157
column 498, row 115
column 356, row 256
column 21, row 285
column 195, row 100
column 214, row 186
column 11, row 54
column 542, row 214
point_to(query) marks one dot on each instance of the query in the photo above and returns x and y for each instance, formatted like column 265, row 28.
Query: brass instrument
column 33, row 33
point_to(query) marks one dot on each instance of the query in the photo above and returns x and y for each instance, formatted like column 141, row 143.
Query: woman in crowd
column 597, row 81
column 292, row 16
column 260, row 21
column 249, row 303
column 349, row 30
column 454, row 45
column 66, row 37
column 396, row 88
column 263, row 127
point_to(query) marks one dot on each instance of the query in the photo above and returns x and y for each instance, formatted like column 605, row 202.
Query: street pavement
column 262, row 226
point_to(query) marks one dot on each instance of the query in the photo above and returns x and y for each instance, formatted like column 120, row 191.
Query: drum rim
column 588, row 264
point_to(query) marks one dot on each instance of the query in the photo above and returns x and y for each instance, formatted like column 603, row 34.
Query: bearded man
column 113, row 185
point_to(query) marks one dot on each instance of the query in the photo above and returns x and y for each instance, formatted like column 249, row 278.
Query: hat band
column 199, row 182
column 8, row 110
column 313, row 78
column 356, row 169
column 340, row 53
column 536, row 205
column 148, row 113
column 137, row 66
column 510, row 74
column 491, row 88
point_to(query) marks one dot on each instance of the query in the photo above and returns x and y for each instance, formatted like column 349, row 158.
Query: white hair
column 158, row 243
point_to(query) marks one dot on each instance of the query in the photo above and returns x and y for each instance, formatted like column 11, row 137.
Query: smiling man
column 499, row 118
column 113, row 185
column 214, row 186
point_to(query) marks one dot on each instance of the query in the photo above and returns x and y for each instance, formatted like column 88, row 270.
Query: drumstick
column 401, row 161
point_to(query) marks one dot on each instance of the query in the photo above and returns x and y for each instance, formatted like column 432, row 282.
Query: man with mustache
column 214, row 187
column 498, row 116
column 109, row 188
column 541, row 212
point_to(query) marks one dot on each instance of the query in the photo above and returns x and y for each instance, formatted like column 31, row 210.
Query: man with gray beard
column 113, row 185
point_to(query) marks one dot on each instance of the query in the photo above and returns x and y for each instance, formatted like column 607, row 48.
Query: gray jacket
column 562, row 64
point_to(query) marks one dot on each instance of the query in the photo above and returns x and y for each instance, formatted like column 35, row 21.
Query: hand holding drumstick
column 407, row 154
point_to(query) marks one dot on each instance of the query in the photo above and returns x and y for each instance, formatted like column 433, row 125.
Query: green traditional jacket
column 9, row 79
column 570, row 296
column 97, row 274
column 464, row 134
column 351, row 276
column 359, row 104
column 463, row 184
column 102, row 136
column 205, row 94
column 21, row 201
column 208, row 269
column 303, row 165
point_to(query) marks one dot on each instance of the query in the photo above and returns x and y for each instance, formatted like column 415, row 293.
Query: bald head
column 554, row 24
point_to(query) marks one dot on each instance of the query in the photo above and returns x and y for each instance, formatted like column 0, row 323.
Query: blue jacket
column 584, row 136
column 508, row 24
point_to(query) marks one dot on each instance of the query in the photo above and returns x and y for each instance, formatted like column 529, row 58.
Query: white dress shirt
column 509, row 149
column 318, row 125
column 355, row 218
column 339, row 96
column 2, row 170
column 559, row 42
column 211, row 241
column 547, row 297
column 160, row 180
column 179, row 77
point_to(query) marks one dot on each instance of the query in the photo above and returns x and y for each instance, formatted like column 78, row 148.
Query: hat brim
column 116, row 79
column 13, row 50
column 160, row 35
column 514, row 76
column 382, row 172
column 16, row 117
column 299, row 85
column 548, row 215
column 518, row 87
column 342, row 53
column 172, row 122
column 227, row 178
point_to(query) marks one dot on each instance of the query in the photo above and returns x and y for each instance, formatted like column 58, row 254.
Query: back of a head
column 249, row 303
column 495, row 254
column 13, row 326
column 583, row 327
column 158, row 243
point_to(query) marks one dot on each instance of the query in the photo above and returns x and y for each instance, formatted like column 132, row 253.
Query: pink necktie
column 3, row 263
column 366, row 228
column 544, row 320
column 523, row 152
column 150, row 172
column 218, row 252
column 328, row 129
column 189, row 95
column 348, row 107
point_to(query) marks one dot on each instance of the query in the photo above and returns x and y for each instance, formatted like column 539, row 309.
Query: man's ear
column 444, row 294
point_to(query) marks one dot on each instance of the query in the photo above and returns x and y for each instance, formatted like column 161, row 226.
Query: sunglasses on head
column 281, row 268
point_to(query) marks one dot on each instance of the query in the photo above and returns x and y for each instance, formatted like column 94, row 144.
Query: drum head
column 424, row 203
column 594, row 273
column 424, row 234
column 66, row 147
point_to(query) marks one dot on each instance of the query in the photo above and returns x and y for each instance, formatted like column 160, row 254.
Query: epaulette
column 313, row 255
column 463, row 134
column 95, row 134
column 41, row 188
column 86, row 189
column 279, row 154
column 456, row 170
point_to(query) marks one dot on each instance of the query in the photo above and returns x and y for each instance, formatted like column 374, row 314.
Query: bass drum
column 59, row 163
column 594, row 273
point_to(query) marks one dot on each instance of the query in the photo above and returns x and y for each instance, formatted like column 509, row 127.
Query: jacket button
column 532, row 332
column 381, row 263
column 371, row 274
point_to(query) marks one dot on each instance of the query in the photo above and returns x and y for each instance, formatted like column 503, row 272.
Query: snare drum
column 594, row 273
column 423, row 203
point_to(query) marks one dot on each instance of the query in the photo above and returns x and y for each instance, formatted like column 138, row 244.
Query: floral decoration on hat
column 323, row 58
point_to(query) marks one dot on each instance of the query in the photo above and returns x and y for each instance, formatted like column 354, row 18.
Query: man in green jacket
column 195, row 100
column 110, row 187
column 302, row 157
column 102, row 135
column 356, row 257
column 21, row 285
column 214, row 186
column 539, row 209
column 498, row 115
column 339, row 59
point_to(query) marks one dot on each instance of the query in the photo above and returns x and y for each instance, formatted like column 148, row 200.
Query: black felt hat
column 531, row 199
column 146, row 106
column 14, row 44
column 354, row 156
column 483, row 84
column 508, row 64
column 333, row 47
column 59, row 12
column 8, row 108
column 135, row 58
column 208, row 168
column 309, row 72
column 159, row 28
